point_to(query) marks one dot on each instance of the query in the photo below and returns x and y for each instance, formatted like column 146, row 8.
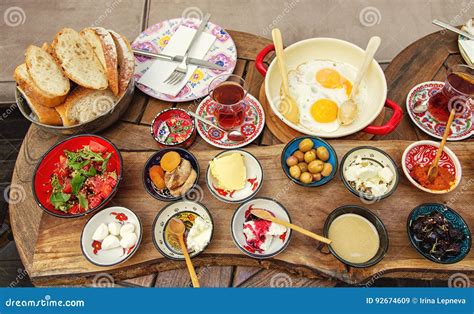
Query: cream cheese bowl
column 338, row 51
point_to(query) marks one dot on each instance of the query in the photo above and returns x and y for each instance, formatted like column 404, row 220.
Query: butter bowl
column 224, row 176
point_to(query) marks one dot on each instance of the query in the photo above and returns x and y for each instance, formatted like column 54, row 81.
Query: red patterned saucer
column 251, row 128
column 461, row 128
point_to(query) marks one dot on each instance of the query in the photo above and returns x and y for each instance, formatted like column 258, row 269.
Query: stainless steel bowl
column 98, row 124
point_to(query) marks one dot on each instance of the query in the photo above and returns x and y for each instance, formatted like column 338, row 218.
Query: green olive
column 303, row 166
column 322, row 153
column 295, row 172
column 317, row 176
column 327, row 169
column 309, row 156
column 291, row 161
column 306, row 178
column 306, row 145
column 299, row 155
column 316, row 166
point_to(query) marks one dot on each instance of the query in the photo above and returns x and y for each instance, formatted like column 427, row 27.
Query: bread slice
column 78, row 59
column 46, row 74
column 126, row 60
column 46, row 47
column 29, row 88
column 84, row 104
column 104, row 47
column 44, row 114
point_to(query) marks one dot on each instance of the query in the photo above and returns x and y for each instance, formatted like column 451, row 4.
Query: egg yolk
column 330, row 78
column 324, row 111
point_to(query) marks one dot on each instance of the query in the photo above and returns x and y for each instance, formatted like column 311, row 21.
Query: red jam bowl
column 47, row 164
column 173, row 128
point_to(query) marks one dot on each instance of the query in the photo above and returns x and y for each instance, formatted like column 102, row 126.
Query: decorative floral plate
column 460, row 129
column 254, row 179
column 187, row 212
column 93, row 251
column 252, row 127
column 156, row 37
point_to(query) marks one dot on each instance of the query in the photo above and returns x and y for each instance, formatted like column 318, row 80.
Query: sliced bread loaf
column 30, row 89
column 104, row 47
column 84, row 105
column 46, row 74
column 78, row 59
column 44, row 114
column 126, row 60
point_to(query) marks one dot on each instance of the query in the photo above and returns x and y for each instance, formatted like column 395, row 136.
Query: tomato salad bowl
column 77, row 176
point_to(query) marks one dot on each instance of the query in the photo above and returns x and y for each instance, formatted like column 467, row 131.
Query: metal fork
column 180, row 72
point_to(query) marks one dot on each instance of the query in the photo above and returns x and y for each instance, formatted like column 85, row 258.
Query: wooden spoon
column 433, row 170
column 176, row 227
column 348, row 109
column 288, row 106
column 263, row 214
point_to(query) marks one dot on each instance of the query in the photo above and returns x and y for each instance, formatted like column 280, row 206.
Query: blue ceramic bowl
column 292, row 147
column 164, row 194
column 454, row 219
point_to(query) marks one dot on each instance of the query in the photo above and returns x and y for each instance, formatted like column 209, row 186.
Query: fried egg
column 319, row 87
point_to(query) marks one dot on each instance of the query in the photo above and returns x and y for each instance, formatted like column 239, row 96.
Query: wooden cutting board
column 58, row 259
column 285, row 134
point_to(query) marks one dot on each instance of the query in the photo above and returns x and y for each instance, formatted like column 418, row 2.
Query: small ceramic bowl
column 47, row 165
column 251, row 188
column 173, row 127
column 292, row 147
column 456, row 221
column 164, row 194
column 375, row 156
column 367, row 214
column 92, row 250
column 187, row 211
column 423, row 153
column 278, row 244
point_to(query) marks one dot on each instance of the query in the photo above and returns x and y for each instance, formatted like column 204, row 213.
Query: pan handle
column 259, row 59
column 391, row 124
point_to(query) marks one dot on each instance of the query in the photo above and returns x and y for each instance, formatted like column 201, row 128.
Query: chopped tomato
column 96, row 147
column 67, row 186
column 75, row 209
column 94, row 200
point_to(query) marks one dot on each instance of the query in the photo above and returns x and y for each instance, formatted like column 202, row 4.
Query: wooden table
column 49, row 263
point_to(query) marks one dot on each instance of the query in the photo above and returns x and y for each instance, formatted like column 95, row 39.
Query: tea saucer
column 252, row 127
column 461, row 127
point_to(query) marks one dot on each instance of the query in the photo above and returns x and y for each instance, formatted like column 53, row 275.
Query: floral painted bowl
column 173, row 127
column 423, row 153
column 93, row 251
column 164, row 194
column 254, row 179
column 453, row 218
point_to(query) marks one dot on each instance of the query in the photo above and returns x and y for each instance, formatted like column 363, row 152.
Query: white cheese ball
column 114, row 228
column 126, row 229
column 100, row 233
column 110, row 242
column 128, row 240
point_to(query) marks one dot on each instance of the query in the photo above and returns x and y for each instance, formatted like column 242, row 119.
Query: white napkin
column 160, row 70
column 467, row 44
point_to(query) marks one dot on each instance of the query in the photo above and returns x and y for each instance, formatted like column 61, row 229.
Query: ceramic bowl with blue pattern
column 293, row 146
column 454, row 220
